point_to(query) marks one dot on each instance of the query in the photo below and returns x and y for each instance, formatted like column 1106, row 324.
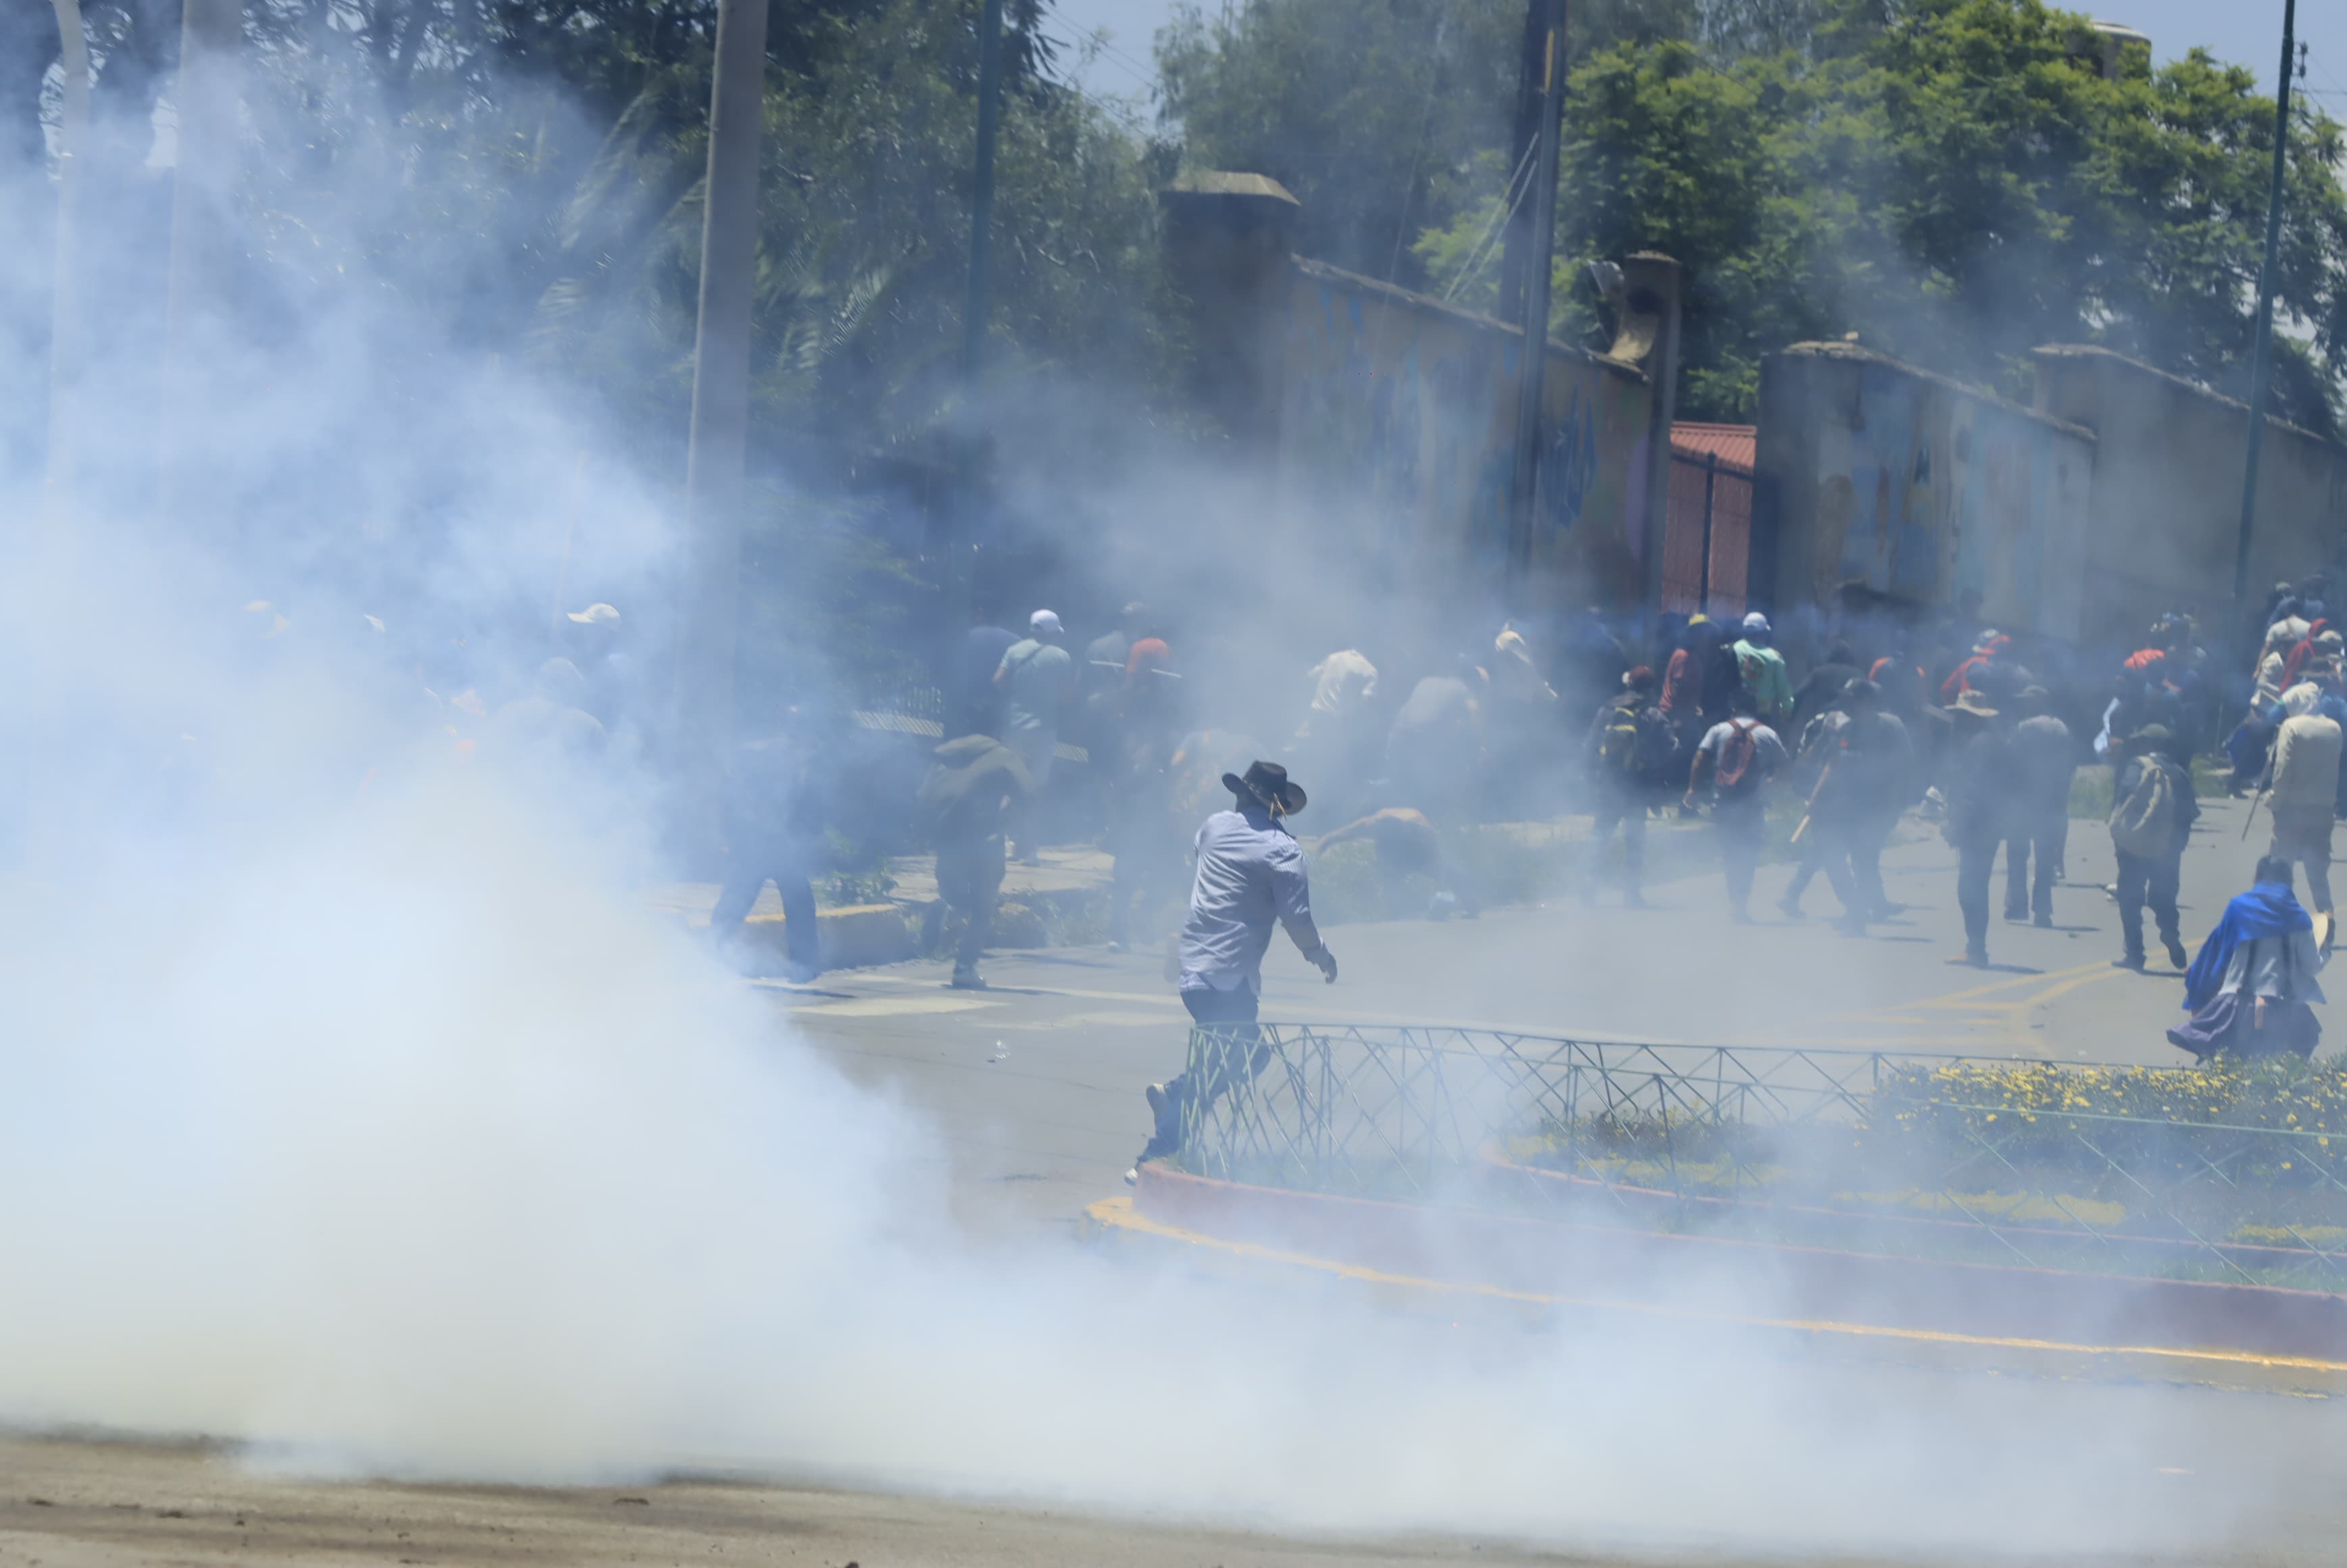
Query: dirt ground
column 67, row 1503
column 78, row 1504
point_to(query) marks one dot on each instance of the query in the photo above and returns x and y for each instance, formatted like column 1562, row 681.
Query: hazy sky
column 2247, row 31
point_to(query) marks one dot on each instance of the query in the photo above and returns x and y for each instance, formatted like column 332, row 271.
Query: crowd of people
column 1954, row 722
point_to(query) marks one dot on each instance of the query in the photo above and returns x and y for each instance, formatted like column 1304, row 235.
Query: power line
column 1146, row 76
column 1417, row 153
column 2337, row 90
column 1479, row 256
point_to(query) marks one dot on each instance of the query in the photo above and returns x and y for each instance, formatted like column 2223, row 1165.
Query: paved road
column 1033, row 1092
column 1035, row 1088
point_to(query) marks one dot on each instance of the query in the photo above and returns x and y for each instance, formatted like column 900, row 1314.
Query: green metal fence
column 1859, row 1150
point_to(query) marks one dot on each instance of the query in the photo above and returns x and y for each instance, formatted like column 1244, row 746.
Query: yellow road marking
column 892, row 1006
column 1118, row 1213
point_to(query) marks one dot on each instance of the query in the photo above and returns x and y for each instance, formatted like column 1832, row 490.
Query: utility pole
column 66, row 356
column 1525, row 484
column 958, row 562
column 1531, row 81
column 204, row 232
column 2259, row 344
column 981, row 192
column 718, row 450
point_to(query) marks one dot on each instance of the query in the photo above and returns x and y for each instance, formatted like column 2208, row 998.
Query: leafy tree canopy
column 1955, row 180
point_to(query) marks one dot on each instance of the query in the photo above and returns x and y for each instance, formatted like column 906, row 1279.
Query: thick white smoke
column 352, row 1108
column 376, row 1125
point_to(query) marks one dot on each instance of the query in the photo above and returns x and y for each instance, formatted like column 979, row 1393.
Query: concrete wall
column 1389, row 418
column 1406, row 407
column 2116, row 497
column 2167, row 491
column 1884, row 477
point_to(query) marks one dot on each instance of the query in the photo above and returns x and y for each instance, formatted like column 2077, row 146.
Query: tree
column 1375, row 113
column 1956, row 181
column 443, row 181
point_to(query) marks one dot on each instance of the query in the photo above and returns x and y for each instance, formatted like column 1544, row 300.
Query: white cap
column 1756, row 621
column 1044, row 623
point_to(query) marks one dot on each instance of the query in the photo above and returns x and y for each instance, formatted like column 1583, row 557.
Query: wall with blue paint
column 2169, row 460
column 1903, row 485
column 1396, row 415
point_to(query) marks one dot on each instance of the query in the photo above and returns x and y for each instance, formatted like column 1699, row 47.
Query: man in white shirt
column 1250, row 876
column 1738, row 755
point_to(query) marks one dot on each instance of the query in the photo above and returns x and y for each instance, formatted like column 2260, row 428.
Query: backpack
column 1658, row 747
column 2143, row 824
column 1635, row 744
column 1734, row 774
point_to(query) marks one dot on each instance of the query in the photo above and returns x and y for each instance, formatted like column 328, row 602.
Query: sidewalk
column 1542, row 856
column 1075, row 868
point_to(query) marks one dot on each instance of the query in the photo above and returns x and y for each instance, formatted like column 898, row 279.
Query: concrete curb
column 851, row 937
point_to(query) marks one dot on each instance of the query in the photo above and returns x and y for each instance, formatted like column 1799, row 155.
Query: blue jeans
column 1975, row 863
column 1237, row 1054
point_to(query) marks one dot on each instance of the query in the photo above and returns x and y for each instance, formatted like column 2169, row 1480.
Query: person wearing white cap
column 1034, row 676
column 1763, row 670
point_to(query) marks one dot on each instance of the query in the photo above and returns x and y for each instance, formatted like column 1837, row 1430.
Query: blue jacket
column 2267, row 909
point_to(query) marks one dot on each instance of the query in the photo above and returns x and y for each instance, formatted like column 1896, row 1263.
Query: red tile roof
column 1735, row 444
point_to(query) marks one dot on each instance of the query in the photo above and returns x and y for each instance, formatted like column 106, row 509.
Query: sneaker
column 1975, row 957
column 2043, row 922
column 2177, row 956
column 968, row 980
column 2132, row 961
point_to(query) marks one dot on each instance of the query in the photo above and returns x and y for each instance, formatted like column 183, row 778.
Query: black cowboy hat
column 1268, row 782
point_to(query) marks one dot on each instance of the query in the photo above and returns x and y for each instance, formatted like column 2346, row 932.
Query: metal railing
column 1862, row 1150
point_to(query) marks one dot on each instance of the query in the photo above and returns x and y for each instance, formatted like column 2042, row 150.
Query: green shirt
column 1035, row 677
column 1765, row 676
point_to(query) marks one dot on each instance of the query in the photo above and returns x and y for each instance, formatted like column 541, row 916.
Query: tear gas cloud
column 352, row 1107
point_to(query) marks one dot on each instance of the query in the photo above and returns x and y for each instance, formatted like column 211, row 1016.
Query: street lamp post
column 2259, row 343
column 717, row 452
column 64, row 295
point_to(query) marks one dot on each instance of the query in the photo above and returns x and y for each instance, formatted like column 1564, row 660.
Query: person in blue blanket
column 2249, row 989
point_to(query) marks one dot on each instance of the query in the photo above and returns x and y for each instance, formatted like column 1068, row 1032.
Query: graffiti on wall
column 1930, row 495
column 1411, row 407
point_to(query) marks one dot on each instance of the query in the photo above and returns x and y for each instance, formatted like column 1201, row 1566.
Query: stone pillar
column 1228, row 242
column 1651, row 290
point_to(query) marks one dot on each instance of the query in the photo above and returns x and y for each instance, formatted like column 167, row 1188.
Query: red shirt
column 1683, row 683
